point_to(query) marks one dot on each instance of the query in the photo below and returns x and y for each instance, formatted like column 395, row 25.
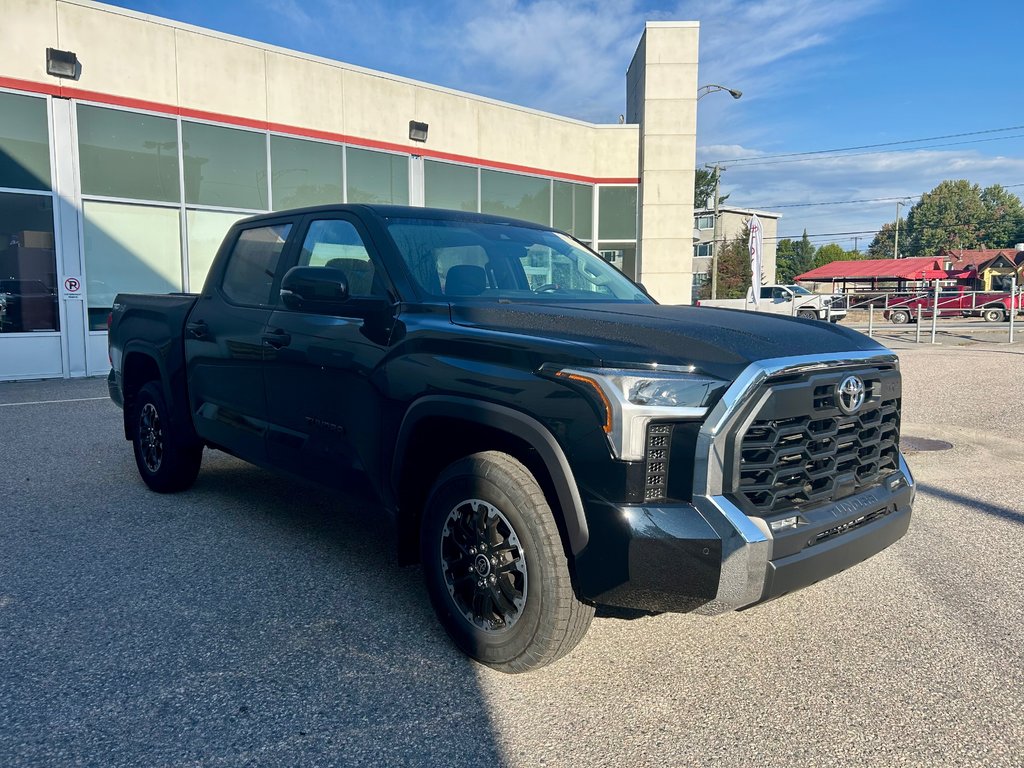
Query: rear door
column 324, row 396
column 224, row 340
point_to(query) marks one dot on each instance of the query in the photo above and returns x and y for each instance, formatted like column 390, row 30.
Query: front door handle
column 198, row 330
column 277, row 339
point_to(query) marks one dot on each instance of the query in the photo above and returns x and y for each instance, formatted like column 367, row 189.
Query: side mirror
column 314, row 289
column 324, row 291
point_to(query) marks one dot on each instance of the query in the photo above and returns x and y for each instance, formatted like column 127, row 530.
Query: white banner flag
column 756, row 247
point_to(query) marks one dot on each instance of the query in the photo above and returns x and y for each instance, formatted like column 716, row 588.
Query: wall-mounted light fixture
column 61, row 63
column 417, row 131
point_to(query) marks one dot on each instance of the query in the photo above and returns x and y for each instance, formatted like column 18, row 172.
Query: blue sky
column 816, row 75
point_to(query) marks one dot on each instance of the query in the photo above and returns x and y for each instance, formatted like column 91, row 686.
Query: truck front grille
column 788, row 463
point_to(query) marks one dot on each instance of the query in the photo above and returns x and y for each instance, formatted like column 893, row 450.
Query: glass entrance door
column 30, row 342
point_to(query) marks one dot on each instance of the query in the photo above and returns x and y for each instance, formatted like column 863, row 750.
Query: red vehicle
column 956, row 302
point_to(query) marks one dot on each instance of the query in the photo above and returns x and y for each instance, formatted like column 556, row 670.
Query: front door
column 323, row 397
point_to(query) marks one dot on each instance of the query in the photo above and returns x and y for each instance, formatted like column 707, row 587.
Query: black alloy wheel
column 167, row 463
column 495, row 566
column 151, row 437
column 484, row 565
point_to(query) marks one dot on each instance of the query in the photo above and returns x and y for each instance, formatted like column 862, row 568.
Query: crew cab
column 957, row 302
column 547, row 437
column 792, row 300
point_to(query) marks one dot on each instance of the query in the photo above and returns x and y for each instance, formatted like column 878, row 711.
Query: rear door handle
column 198, row 330
column 277, row 339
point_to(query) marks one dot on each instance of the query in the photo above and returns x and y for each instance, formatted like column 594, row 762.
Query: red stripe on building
column 71, row 92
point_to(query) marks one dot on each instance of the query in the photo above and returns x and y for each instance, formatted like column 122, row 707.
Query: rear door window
column 249, row 276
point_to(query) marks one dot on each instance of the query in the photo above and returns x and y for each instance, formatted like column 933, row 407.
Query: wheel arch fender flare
column 177, row 402
column 515, row 423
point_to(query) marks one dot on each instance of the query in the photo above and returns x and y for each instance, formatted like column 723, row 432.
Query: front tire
column 993, row 315
column 166, row 462
column 495, row 568
column 807, row 314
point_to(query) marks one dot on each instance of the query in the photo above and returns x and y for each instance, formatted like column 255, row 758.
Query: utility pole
column 855, row 241
column 896, row 237
column 714, row 241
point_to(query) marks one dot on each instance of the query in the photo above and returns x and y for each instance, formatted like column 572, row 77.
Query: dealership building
column 130, row 143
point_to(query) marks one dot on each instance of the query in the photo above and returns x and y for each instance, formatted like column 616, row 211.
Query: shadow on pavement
column 249, row 621
column 1005, row 513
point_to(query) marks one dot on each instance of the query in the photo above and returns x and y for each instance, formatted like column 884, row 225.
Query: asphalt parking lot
column 257, row 621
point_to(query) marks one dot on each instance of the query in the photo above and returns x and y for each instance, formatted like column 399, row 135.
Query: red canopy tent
column 874, row 270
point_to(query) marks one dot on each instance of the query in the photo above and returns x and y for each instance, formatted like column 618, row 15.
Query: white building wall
column 135, row 61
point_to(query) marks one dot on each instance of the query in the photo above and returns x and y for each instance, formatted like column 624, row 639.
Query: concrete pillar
column 661, row 97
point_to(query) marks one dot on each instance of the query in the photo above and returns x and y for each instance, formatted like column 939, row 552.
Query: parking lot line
column 50, row 402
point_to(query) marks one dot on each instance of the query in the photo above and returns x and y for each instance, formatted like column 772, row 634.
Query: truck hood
column 721, row 342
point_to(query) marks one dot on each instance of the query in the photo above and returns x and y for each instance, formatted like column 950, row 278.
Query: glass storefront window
column 450, row 186
column 521, row 197
column 28, row 264
column 573, row 207
column 561, row 206
column 204, row 231
column 304, row 172
column 622, row 256
column 617, row 213
column 128, row 154
column 24, row 142
column 583, row 202
column 377, row 177
column 128, row 249
column 224, row 166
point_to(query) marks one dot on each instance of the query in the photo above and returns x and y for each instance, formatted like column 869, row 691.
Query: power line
column 867, row 199
column 740, row 163
column 876, row 146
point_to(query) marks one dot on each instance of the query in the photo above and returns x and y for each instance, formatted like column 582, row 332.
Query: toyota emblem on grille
column 850, row 394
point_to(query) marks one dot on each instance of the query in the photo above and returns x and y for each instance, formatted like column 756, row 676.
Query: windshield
column 504, row 261
column 799, row 290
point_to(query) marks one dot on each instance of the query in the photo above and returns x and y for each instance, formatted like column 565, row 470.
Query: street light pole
column 703, row 91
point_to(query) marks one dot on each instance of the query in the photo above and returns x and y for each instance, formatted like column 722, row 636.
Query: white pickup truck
column 787, row 300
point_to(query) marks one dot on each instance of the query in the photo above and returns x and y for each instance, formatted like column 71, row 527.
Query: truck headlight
column 631, row 399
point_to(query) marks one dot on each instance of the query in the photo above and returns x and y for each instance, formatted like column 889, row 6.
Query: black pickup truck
column 547, row 436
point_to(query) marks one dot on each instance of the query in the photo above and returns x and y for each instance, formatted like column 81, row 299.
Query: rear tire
column 899, row 317
column 166, row 462
column 495, row 568
column 994, row 315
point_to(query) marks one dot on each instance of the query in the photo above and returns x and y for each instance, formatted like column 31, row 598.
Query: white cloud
column 570, row 57
column 857, row 177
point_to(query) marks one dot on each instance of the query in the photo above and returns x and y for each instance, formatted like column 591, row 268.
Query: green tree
column 830, row 252
column 785, row 260
column 950, row 216
column 803, row 255
column 734, row 267
column 1004, row 217
column 704, row 182
column 882, row 245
